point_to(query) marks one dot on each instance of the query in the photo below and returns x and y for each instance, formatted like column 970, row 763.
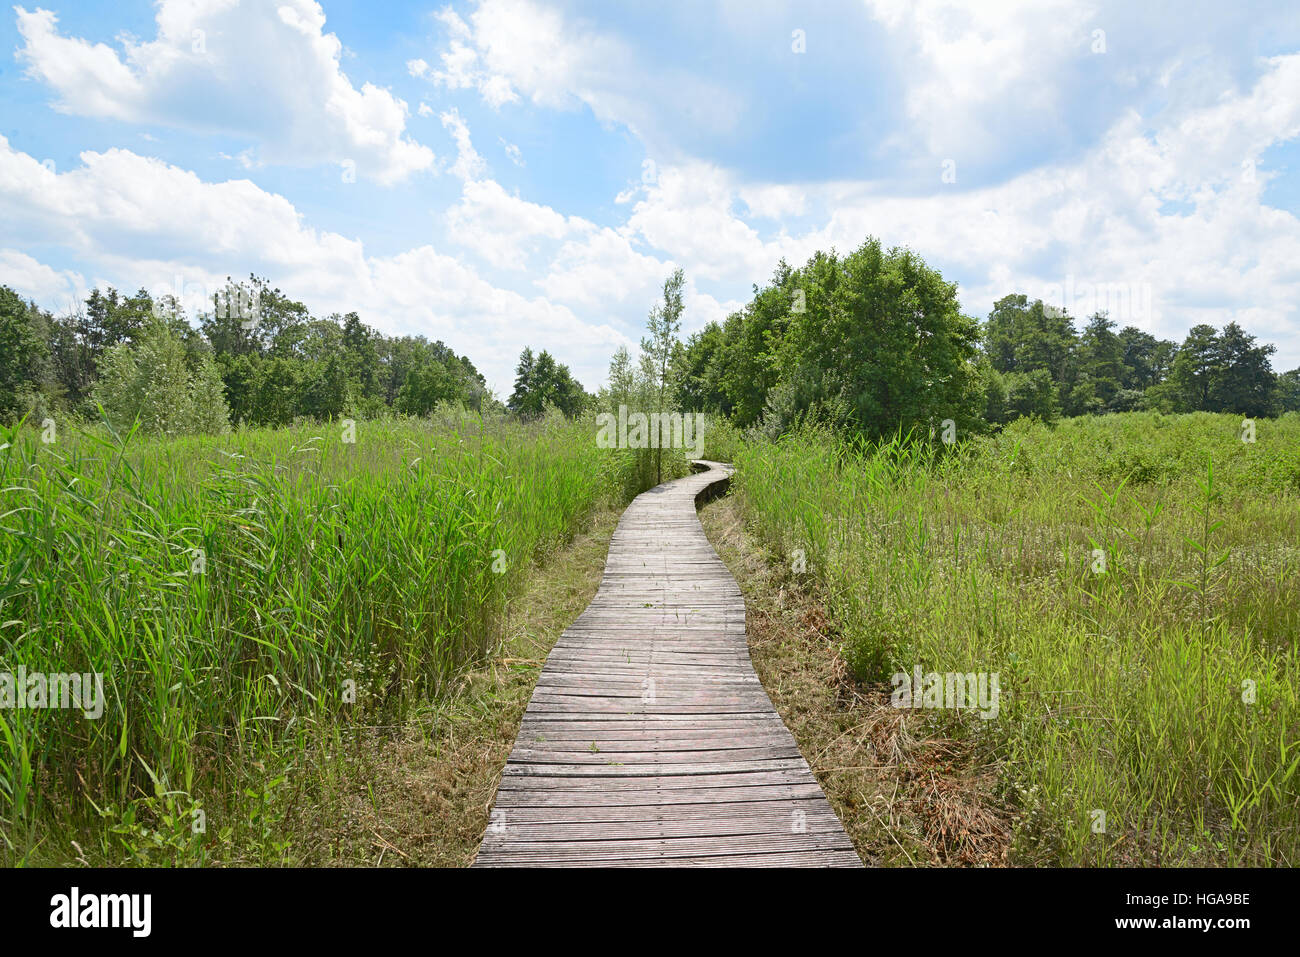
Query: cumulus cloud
column 144, row 223
column 689, row 210
column 263, row 71
column 1098, row 232
column 469, row 164
column 512, row 50
column 603, row 269
column 968, row 60
column 464, row 69
column 60, row 290
column 504, row 229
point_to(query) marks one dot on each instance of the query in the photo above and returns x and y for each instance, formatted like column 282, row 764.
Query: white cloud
column 966, row 62
column 1095, row 223
column 701, row 309
column 689, row 211
column 773, row 201
column 513, row 49
column 60, row 290
column 143, row 223
column 505, row 229
column 1099, row 218
column 603, row 269
column 512, row 151
column 468, row 165
column 1098, row 223
column 261, row 71
column 462, row 68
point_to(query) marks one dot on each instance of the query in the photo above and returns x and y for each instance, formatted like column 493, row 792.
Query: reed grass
column 248, row 599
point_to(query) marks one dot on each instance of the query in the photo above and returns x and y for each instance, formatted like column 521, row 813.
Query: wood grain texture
column 649, row 740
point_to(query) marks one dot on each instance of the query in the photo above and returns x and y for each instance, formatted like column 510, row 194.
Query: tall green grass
column 248, row 598
column 1162, row 691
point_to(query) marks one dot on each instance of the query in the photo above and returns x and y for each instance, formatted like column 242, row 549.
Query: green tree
column 361, row 359
column 427, row 385
column 148, row 382
column 752, row 337
column 276, row 390
column 1021, row 336
column 1191, row 378
column 699, row 366
column 209, row 413
column 658, row 348
column 1101, row 362
column 1243, row 381
column 881, row 345
column 322, row 388
column 524, row 401
column 1032, row 395
column 25, row 372
column 1146, row 359
column 240, row 374
column 111, row 318
column 539, row 381
column 1288, row 391
column 72, row 360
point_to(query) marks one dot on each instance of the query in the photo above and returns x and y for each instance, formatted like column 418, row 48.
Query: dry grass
column 421, row 797
column 906, row 794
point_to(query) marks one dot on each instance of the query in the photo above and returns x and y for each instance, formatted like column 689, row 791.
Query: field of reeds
column 250, row 598
column 1134, row 580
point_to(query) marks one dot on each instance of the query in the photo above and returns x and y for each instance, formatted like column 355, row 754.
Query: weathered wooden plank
column 624, row 778
column 682, row 741
column 624, row 720
column 822, row 858
column 781, row 811
column 665, row 755
column 512, row 831
column 649, row 740
column 616, row 851
column 642, row 797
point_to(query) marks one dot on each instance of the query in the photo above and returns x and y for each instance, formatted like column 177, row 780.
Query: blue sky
column 501, row 173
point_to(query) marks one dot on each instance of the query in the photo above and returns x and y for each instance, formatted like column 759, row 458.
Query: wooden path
column 649, row 740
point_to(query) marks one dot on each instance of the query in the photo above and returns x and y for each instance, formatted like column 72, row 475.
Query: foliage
column 872, row 342
column 25, row 371
column 540, row 381
column 276, row 363
column 151, row 382
column 658, row 349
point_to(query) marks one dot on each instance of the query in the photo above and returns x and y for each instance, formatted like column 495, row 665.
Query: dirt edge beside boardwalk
column 420, row 796
column 906, row 795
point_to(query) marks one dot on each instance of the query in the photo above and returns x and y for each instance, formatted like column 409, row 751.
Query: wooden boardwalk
column 649, row 740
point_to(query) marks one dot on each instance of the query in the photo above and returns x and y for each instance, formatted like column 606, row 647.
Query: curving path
column 649, row 739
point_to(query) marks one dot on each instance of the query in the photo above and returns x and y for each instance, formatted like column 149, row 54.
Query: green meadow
column 249, row 599
column 1133, row 579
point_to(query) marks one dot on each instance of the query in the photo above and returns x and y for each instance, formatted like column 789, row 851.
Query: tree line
column 875, row 342
column 256, row 357
column 872, row 342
